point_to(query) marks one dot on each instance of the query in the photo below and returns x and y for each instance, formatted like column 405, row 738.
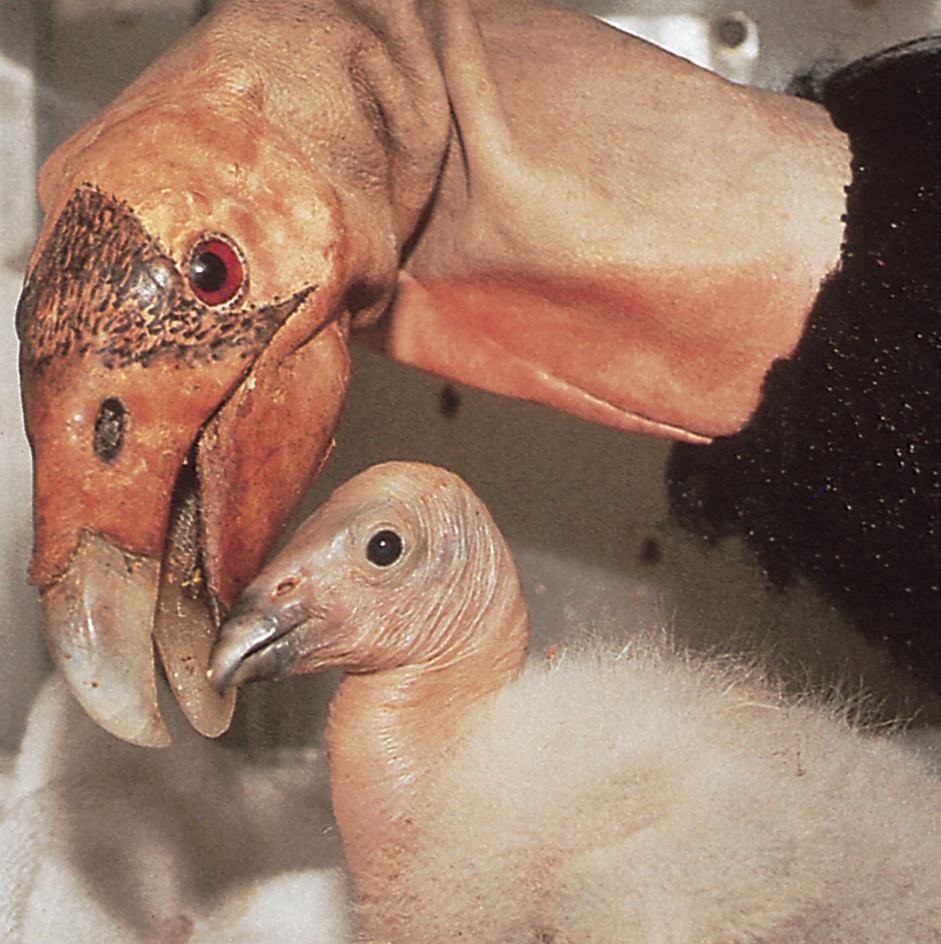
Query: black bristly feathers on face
column 104, row 286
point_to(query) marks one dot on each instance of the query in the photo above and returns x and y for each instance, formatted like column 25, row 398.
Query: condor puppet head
column 183, row 364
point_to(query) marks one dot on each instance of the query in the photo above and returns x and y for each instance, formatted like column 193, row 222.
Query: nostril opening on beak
column 286, row 586
column 109, row 429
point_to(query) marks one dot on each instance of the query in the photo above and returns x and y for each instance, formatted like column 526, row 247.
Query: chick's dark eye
column 215, row 271
column 384, row 548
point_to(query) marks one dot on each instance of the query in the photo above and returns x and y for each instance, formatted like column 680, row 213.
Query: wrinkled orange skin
column 660, row 211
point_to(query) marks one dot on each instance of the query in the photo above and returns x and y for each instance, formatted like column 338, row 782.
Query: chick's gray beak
column 253, row 645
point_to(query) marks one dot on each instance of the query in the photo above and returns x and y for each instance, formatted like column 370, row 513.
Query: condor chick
column 639, row 796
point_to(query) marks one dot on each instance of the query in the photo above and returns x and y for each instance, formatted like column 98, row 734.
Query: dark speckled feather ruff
column 836, row 478
column 104, row 286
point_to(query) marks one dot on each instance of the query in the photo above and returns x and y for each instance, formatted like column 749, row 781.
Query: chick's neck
column 390, row 730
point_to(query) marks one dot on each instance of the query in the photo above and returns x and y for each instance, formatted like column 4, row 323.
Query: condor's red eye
column 215, row 271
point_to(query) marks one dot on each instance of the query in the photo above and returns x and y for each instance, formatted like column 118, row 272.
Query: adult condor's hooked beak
column 183, row 364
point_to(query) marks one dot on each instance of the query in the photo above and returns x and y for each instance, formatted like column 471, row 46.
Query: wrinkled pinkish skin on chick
column 512, row 195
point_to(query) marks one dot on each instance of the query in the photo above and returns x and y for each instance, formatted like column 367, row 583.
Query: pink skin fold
column 514, row 196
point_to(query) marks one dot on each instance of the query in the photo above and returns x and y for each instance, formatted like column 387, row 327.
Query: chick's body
column 647, row 798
